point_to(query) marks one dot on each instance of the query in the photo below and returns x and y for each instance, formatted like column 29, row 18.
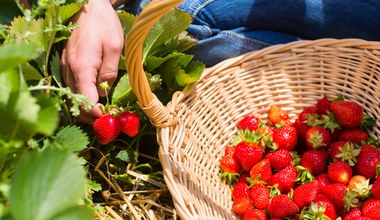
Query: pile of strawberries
column 322, row 165
column 108, row 127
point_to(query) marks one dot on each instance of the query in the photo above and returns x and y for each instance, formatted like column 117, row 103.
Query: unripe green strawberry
column 106, row 128
column 130, row 123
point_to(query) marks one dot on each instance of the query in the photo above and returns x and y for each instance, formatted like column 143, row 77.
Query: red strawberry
column 130, row 123
column 285, row 138
column 260, row 195
column 242, row 205
column 243, row 177
column 344, row 151
column 279, row 159
column 349, row 114
column 323, row 180
column 318, row 138
column 285, row 179
column 329, row 211
column 282, row 206
column 335, row 193
column 277, row 116
column 229, row 164
column 368, row 159
column 376, row 188
column 301, row 128
column 353, row 214
column 249, row 122
column 309, row 115
column 323, row 105
column 339, row 172
column 355, row 135
column 304, row 194
column 262, row 171
column 106, row 128
column 240, row 190
column 314, row 161
column 248, row 154
column 255, row 214
column 371, row 208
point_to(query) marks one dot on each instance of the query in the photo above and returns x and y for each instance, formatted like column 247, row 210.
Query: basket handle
column 134, row 42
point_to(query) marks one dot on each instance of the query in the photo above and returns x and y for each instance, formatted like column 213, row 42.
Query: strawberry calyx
column 304, row 175
column 314, row 212
column 230, row 178
column 367, row 122
column 316, row 140
column 348, row 153
column 351, row 199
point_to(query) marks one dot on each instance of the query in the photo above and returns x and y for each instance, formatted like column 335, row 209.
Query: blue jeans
column 228, row 28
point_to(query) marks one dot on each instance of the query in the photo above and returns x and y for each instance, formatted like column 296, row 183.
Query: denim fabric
column 227, row 28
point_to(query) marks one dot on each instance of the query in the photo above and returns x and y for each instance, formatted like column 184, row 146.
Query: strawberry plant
column 52, row 165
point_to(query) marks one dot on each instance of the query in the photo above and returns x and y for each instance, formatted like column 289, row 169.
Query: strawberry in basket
column 324, row 164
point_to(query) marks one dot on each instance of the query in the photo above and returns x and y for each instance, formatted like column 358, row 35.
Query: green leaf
column 46, row 184
column 55, row 69
column 152, row 62
column 181, row 71
column 68, row 10
column 122, row 93
column 28, row 31
column 74, row 213
column 191, row 74
column 168, row 27
column 127, row 156
column 18, row 109
column 73, row 138
column 48, row 117
column 30, row 72
column 13, row 55
column 126, row 20
column 21, row 114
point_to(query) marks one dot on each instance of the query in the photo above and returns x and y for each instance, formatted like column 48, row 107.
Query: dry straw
column 198, row 123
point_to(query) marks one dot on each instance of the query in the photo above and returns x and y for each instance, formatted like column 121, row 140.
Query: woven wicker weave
column 198, row 123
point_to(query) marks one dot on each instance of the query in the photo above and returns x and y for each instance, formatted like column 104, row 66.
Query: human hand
column 92, row 53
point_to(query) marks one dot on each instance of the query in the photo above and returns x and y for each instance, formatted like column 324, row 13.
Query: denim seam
column 195, row 12
column 231, row 35
column 207, row 29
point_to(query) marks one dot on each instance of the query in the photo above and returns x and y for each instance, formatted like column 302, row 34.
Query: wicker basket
column 198, row 123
